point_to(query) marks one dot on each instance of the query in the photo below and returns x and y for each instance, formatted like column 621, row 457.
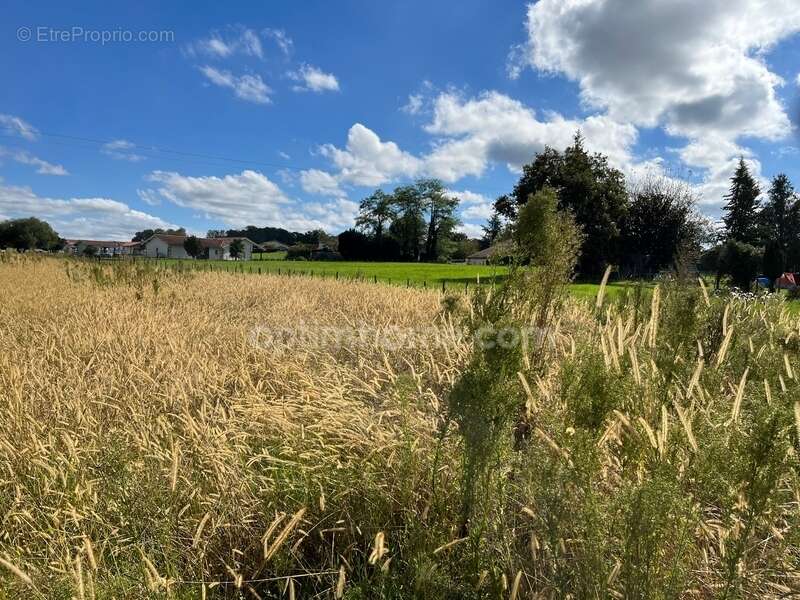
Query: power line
column 158, row 152
column 143, row 154
column 149, row 151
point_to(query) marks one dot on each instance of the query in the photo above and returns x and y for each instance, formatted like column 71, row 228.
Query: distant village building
column 493, row 254
column 479, row 258
column 274, row 246
column 162, row 245
column 102, row 247
column 324, row 251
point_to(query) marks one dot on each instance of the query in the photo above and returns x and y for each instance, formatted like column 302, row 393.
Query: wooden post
column 336, row 277
column 375, row 279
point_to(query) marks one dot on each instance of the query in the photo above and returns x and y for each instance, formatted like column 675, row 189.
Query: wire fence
column 261, row 267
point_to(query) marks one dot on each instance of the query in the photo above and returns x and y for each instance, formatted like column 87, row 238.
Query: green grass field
column 269, row 255
column 431, row 275
column 417, row 274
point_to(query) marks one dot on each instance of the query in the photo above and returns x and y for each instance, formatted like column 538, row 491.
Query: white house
column 162, row 245
column 219, row 248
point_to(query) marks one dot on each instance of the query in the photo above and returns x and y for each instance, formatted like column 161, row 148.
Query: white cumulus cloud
column 695, row 69
column 471, row 134
column 313, row 79
column 88, row 218
column 314, row 181
column 474, row 206
column 250, row 198
column 247, row 87
column 689, row 65
column 16, row 126
column 368, row 161
column 121, row 150
column 235, row 40
column 281, row 38
column 414, row 104
column 26, row 158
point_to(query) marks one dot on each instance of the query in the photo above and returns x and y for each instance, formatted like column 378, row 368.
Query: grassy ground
column 430, row 275
column 269, row 255
column 171, row 435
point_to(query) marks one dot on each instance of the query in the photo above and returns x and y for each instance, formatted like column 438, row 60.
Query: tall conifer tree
column 741, row 209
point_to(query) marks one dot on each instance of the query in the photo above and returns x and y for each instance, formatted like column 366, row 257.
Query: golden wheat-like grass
column 106, row 398
column 148, row 445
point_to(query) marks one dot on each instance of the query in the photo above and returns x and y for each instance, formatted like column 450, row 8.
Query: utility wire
column 157, row 152
column 149, row 151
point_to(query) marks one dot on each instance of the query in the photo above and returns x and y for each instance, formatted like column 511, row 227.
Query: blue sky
column 287, row 114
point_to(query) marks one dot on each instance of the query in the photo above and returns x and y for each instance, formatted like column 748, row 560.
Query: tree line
column 761, row 235
column 642, row 226
column 652, row 224
column 29, row 234
column 413, row 223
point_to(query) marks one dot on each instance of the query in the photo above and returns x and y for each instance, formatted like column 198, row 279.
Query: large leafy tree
column 545, row 170
column 141, row 236
column 463, row 246
column 259, row 235
column 442, row 220
column 236, row 248
column 587, row 186
column 409, row 225
column 660, row 222
column 414, row 222
column 28, row 234
column 741, row 209
column 356, row 245
column 740, row 261
column 375, row 213
column 192, row 246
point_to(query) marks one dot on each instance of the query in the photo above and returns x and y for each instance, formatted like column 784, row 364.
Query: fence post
column 259, row 270
column 336, row 277
column 375, row 279
column 408, row 282
column 443, row 286
column 466, row 286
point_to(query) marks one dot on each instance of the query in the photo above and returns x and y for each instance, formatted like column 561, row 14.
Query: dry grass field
column 150, row 449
